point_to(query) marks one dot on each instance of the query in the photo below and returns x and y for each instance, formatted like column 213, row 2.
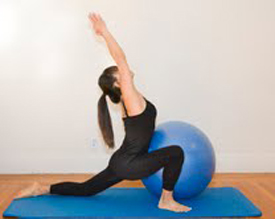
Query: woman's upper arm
column 132, row 98
column 127, row 85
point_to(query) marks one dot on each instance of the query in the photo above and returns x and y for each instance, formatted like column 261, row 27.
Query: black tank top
column 139, row 130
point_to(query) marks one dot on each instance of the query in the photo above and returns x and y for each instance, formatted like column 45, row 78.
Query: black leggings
column 171, row 158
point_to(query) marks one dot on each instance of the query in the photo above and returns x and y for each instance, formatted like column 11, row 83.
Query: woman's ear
column 117, row 81
column 116, row 84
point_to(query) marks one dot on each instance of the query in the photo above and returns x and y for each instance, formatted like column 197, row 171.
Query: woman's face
column 117, row 76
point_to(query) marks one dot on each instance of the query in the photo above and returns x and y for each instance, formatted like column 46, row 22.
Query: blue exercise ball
column 199, row 159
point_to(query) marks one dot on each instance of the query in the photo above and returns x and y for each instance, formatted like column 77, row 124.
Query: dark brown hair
column 106, row 82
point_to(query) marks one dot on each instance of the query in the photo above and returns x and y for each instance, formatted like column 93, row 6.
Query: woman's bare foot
column 33, row 190
column 167, row 202
column 173, row 206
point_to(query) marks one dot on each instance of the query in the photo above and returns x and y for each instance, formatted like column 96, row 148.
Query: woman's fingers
column 95, row 17
column 98, row 24
column 99, row 17
column 91, row 17
column 94, row 20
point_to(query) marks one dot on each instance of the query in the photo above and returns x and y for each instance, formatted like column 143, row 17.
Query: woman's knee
column 177, row 151
column 120, row 171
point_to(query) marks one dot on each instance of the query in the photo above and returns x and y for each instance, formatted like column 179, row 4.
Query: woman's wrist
column 105, row 33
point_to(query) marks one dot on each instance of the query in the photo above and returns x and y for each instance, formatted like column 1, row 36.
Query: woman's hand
column 98, row 23
column 101, row 29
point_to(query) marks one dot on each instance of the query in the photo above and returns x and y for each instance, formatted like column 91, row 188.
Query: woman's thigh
column 147, row 164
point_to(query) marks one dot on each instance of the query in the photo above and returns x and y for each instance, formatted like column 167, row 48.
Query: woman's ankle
column 166, row 195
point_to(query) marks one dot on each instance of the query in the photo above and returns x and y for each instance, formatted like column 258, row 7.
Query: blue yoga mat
column 132, row 202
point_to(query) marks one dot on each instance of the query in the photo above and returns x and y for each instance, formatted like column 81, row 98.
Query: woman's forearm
column 114, row 48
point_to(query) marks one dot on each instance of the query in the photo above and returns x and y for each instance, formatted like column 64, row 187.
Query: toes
column 179, row 209
column 185, row 208
column 189, row 209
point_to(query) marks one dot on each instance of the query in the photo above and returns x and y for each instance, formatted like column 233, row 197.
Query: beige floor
column 259, row 188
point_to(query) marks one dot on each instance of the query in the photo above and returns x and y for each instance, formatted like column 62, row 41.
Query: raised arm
column 132, row 98
column 117, row 54
column 114, row 48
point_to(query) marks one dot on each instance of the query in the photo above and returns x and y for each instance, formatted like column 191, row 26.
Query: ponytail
column 104, row 121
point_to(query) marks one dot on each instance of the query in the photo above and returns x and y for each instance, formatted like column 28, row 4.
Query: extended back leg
column 96, row 184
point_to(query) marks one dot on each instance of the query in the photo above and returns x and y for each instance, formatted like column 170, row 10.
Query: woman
column 132, row 160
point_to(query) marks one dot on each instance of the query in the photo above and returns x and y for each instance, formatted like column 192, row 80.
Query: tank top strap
column 124, row 108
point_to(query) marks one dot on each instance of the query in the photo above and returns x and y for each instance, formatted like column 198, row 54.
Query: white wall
column 209, row 63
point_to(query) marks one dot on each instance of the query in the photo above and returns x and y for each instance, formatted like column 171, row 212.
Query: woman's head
column 109, row 80
column 109, row 84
